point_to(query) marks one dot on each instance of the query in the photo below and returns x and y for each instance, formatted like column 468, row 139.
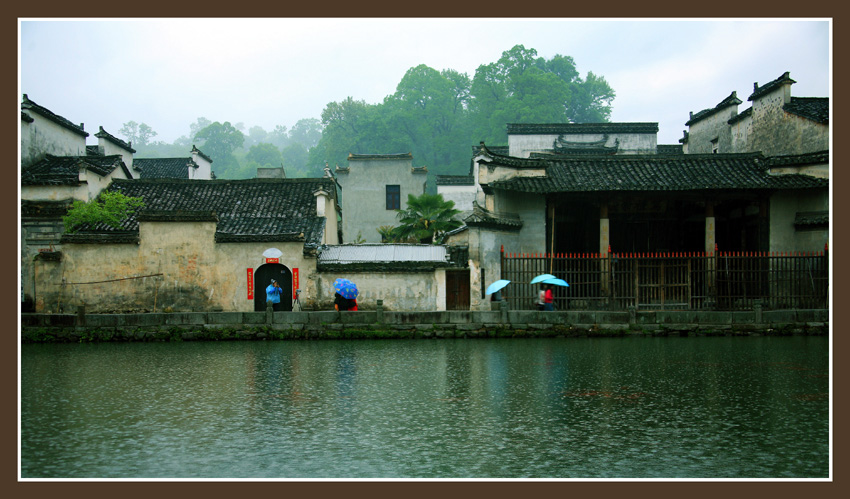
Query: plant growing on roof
column 426, row 218
column 110, row 208
column 389, row 235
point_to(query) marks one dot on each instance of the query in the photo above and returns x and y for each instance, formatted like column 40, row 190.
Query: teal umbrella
column 542, row 277
column 496, row 286
column 556, row 282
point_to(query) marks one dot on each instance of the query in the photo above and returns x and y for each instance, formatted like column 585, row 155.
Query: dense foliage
column 424, row 220
column 436, row 115
column 439, row 115
column 110, row 208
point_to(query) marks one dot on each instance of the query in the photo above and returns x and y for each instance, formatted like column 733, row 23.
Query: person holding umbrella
column 548, row 298
column 273, row 292
column 345, row 296
column 541, row 294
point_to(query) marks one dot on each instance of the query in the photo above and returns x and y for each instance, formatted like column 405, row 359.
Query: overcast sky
column 268, row 72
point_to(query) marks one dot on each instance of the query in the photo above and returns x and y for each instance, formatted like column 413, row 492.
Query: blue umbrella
column 346, row 288
column 496, row 286
column 542, row 277
column 556, row 282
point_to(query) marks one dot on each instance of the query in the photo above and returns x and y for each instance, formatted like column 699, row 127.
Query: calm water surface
column 752, row 407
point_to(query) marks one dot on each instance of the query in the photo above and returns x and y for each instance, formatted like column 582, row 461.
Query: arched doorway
column 263, row 277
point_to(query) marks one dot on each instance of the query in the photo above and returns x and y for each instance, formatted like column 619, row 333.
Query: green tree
column 307, row 132
column 523, row 88
column 592, row 100
column 350, row 126
column 265, row 155
column 110, row 208
column 256, row 135
column 426, row 218
column 295, row 158
column 198, row 125
column 389, row 234
column 138, row 135
column 428, row 111
column 279, row 137
column 220, row 140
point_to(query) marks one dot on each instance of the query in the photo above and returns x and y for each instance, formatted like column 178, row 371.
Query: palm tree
column 426, row 218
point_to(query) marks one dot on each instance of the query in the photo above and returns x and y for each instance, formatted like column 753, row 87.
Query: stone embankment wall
column 190, row 326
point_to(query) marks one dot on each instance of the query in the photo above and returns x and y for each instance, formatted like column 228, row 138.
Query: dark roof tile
column 382, row 157
column 813, row 108
column 196, row 150
column 579, row 128
column 455, row 180
column 103, row 134
column 65, row 170
column 759, row 91
column 669, row 149
column 732, row 100
column 247, row 210
column 163, row 167
column 740, row 116
column 687, row 172
column 812, row 158
column 32, row 106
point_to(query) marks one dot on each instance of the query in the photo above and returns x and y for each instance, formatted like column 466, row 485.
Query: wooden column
column 604, row 244
column 604, row 229
column 710, row 229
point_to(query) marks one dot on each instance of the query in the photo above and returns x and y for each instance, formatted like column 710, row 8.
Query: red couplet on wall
column 250, row 284
column 295, row 284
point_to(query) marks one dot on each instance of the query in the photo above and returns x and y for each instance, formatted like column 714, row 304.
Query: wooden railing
column 672, row 281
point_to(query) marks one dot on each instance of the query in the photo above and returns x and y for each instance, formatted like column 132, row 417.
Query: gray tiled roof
column 247, row 210
column 163, row 167
column 372, row 157
column 740, row 116
column 503, row 150
column 455, row 180
column 579, row 128
column 812, row 158
column 64, row 170
column 365, row 257
column 688, row 172
column 759, row 91
column 669, row 149
column 732, row 100
column 29, row 105
column 196, row 150
column 45, row 209
column 811, row 219
column 103, row 134
column 813, row 108
column 483, row 218
column 354, row 253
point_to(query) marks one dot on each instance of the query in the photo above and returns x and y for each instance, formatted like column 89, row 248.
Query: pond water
column 649, row 407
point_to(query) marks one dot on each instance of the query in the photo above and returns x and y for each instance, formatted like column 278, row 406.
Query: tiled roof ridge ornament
column 47, row 113
column 768, row 87
column 197, row 151
column 106, row 135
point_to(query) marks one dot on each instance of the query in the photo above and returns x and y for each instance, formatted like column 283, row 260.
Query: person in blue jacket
column 273, row 292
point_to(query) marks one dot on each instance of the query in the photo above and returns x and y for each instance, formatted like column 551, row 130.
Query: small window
column 714, row 149
column 393, row 197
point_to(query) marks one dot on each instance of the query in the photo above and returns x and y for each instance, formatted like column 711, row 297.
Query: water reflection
column 564, row 408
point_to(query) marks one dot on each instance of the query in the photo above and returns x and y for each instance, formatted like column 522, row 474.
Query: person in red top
column 548, row 299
